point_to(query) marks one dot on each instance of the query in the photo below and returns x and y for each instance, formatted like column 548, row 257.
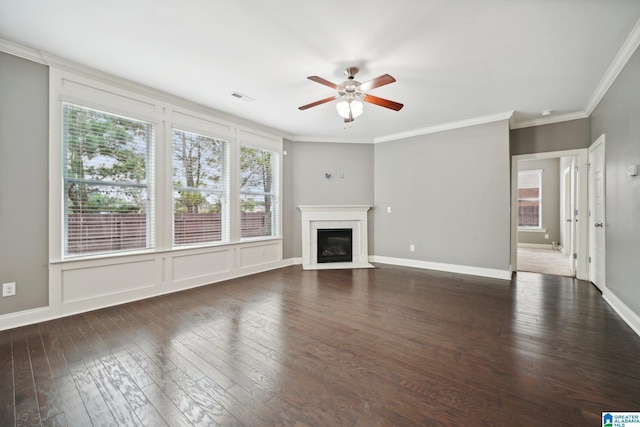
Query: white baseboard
column 451, row 268
column 631, row 318
column 535, row 245
column 27, row 317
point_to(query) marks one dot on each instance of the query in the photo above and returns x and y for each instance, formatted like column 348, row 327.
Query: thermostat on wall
column 632, row 170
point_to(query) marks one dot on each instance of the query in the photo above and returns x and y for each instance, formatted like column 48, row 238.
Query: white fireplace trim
column 334, row 216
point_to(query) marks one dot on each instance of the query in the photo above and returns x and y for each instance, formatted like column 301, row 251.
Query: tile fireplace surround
column 316, row 217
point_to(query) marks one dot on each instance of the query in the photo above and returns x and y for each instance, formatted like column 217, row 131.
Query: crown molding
column 67, row 65
column 432, row 129
column 23, row 52
column 446, row 126
column 549, row 120
column 303, row 138
column 122, row 83
column 622, row 57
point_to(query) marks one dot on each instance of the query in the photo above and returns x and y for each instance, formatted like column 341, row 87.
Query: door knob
column 598, row 224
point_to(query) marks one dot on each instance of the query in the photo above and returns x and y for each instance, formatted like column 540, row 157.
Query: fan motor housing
column 351, row 72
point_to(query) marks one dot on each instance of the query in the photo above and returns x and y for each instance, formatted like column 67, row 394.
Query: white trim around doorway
column 582, row 231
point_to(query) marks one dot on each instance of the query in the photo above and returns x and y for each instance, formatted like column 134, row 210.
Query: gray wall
column 24, row 192
column 569, row 135
column 550, row 201
column 288, row 206
column 308, row 162
column 450, row 196
column 618, row 117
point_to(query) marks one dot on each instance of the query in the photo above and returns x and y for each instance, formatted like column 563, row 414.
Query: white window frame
column 276, row 213
column 66, row 87
column 538, row 175
column 252, row 139
column 225, row 210
column 138, row 103
column 148, row 185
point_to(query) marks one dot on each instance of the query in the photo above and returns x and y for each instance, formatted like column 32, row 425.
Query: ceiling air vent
column 242, row 96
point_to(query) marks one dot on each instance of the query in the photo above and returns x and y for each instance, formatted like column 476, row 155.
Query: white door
column 565, row 217
column 597, row 224
column 568, row 218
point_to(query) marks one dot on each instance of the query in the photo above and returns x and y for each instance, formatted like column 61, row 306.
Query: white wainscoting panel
column 95, row 281
column 81, row 285
column 252, row 256
column 199, row 265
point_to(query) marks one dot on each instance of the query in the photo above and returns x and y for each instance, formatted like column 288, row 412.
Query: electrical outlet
column 546, row 236
column 8, row 289
column 388, row 209
column 412, row 248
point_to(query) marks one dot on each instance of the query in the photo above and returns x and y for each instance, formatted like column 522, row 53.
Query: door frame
column 596, row 144
column 567, row 213
column 581, row 245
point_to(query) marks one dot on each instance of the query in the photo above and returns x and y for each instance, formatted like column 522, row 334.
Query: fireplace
column 334, row 217
column 335, row 245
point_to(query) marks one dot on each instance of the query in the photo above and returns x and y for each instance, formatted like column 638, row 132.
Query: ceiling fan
column 351, row 93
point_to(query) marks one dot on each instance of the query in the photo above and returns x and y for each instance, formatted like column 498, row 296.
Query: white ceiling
column 454, row 60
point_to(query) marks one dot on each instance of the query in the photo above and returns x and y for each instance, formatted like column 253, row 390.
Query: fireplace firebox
column 335, row 245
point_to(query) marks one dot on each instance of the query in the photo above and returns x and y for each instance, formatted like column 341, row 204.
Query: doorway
column 569, row 254
column 544, row 241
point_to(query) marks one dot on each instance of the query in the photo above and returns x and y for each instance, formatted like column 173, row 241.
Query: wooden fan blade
column 322, row 101
column 324, row 82
column 385, row 79
column 383, row 102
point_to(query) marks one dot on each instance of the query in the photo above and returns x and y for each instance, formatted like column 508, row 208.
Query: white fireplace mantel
column 316, row 217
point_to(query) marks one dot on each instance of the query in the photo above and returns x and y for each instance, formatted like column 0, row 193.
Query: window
column 530, row 199
column 259, row 181
column 200, row 170
column 107, row 171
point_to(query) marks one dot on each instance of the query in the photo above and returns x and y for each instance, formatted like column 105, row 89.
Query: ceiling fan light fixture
column 352, row 94
column 350, row 108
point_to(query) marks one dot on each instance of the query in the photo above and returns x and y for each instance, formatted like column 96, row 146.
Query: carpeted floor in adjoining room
column 545, row 261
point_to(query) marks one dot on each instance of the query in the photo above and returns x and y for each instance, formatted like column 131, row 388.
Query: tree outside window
column 258, row 192
column 107, row 204
column 199, row 188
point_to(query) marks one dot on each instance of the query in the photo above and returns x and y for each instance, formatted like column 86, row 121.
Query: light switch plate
column 8, row 289
column 632, row 170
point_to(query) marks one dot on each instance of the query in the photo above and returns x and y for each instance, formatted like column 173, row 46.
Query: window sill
column 259, row 239
column 102, row 256
column 532, row 230
column 147, row 252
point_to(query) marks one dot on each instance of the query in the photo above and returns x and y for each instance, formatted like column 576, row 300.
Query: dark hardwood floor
column 382, row 347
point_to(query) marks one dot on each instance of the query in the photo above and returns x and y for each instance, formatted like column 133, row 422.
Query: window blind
column 200, row 189
column 259, row 187
column 108, row 165
column 530, row 199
